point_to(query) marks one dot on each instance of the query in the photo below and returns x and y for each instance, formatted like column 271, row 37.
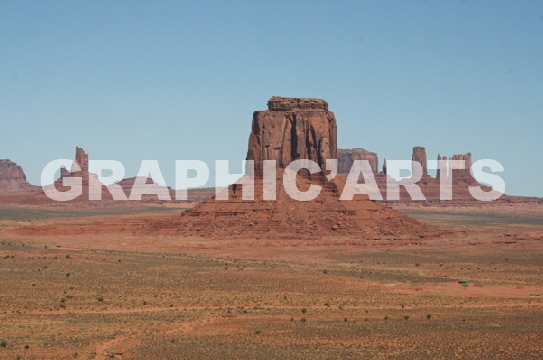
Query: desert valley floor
column 105, row 295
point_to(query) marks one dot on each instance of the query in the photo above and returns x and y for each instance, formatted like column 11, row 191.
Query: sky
column 179, row 80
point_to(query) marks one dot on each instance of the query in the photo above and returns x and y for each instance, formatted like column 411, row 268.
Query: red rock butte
column 292, row 129
column 13, row 179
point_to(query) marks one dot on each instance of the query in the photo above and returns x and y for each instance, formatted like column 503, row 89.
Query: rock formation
column 430, row 186
column 278, row 103
column 419, row 155
column 100, row 192
column 292, row 129
column 149, row 191
column 13, row 179
column 81, row 159
column 346, row 157
column 463, row 175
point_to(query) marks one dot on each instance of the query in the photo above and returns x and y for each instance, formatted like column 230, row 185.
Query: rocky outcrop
column 145, row 186
column 292, row 129
column 430, row 186
column 346, row 157
column 80, row 169
column 278, row 103
column 13, row 179
column 419, row 155
column 81, row 159
column 463, row 175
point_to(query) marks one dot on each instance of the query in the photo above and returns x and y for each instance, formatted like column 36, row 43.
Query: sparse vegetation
column 248, row 311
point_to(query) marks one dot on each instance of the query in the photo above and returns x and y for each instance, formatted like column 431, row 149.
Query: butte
column 293, row 129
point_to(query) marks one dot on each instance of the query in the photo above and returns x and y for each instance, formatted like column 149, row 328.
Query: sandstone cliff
column 292, row 129
column 346, row 157
column 13, row 179
column 419, row 155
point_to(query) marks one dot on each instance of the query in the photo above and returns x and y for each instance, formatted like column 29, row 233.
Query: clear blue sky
column 167, row 80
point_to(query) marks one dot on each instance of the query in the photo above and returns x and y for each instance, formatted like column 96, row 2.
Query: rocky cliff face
column 81, row 159
column 463, row 175
column 292, row 129
column 346, row 157
column 419, row 155
column 13, row 179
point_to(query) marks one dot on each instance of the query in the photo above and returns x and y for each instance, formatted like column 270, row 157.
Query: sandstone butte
column 292, row 129
column 13, row 179
column 80, row 169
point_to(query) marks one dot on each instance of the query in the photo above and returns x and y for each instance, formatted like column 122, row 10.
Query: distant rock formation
column 80, row 169
column 13, row 179
column 81, row 159
column 292, row 129
column 464, row 175
column 145, row 186
column 346, row 157
column 430, row 186
column 419, row 155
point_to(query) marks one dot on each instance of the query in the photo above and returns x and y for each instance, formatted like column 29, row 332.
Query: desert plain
column 70, row 293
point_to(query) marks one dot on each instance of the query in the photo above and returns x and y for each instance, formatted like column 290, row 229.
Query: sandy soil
column 74, row 286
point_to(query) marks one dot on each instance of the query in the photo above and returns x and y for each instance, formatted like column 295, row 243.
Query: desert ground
column 103, row 294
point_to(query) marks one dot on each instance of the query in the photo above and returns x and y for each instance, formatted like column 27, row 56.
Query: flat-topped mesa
column 278, row 103
column 13, row 178
column 11, row 171
column 292, row 129
column 346, row 158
